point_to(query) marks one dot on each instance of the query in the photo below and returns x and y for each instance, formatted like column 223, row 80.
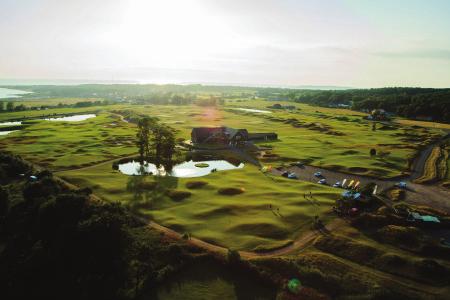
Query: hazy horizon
column 348, row 43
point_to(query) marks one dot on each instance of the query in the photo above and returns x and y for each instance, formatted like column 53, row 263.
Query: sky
column 352, row 43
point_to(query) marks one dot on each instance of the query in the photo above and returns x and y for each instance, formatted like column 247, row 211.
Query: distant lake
column 9, row 93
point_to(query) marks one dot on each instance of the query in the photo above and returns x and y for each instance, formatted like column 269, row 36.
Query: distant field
column 47, row 112
column 59, row 145
column 51, row 101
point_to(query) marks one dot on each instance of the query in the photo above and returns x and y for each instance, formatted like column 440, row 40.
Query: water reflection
column 254, row 110
column 11, row 123
column 6, row 132
column 186, row 169
column 75, row 118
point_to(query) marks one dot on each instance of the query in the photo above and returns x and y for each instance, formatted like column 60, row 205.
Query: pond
column 11, row 123
column 75, row 118
column 254, row 110
column 185, row 169
column 210, row 281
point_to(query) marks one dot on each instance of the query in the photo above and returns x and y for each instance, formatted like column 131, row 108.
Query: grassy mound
column 196, row 184
column 230, row 191
column 409, row 237
column 265, row 230
column 178, row 195
column 148, row 185
column 202, row 165
column 435, row 166
column 396, row 194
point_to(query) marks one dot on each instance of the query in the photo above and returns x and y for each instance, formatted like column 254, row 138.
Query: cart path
column 300, row 243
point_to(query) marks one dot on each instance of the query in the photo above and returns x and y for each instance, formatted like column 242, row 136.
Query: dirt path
column 300, row 243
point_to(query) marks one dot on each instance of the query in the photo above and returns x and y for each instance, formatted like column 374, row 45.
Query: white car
column 318, row 174
column 337, row 184
column 322, row 181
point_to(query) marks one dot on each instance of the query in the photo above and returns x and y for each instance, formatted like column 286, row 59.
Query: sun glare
column 163, row 34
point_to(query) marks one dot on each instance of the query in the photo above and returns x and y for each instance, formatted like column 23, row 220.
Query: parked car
column 322, row 181
column 298, row 164
column 401, row 184
column 337, row 184
column 318, row 174
column 285, row 174
column 292, row 176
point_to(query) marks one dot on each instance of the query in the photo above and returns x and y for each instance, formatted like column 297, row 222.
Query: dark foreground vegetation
column 61, row 243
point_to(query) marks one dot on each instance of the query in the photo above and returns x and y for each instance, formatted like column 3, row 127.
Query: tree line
column 178, row 99
column 11, row 106
column 413, row 103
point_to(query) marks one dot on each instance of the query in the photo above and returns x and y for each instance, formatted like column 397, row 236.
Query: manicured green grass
column 47, row 112
column 59, row 145
column 242, row 221
column 348, row 151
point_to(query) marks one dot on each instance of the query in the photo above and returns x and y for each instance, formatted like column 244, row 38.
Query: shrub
column 233, row 256
column 431, row 268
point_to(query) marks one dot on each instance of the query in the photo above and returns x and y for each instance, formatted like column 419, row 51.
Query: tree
column 167, row 147
column 143, row 138
column 373, row 152
column 2, row 105
column 4, row 201
column 10, row 106
column 374, row 127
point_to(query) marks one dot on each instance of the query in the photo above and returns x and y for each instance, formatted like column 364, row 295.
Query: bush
column 233, row 256
column 431, row 268
column 42, row 188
